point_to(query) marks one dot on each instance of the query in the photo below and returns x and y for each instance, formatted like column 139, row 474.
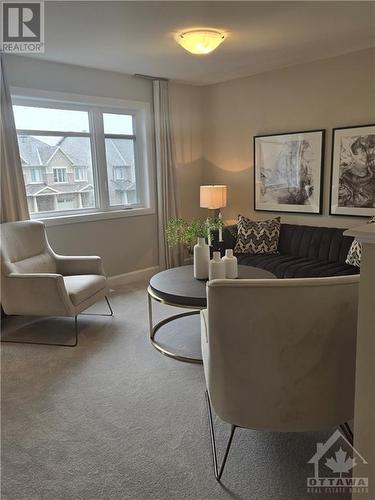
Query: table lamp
column 213, row 197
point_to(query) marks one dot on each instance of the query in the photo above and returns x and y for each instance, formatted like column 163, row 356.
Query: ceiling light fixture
column 200, row 41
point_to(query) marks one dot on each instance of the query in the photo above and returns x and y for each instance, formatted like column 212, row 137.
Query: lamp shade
column 213, row 196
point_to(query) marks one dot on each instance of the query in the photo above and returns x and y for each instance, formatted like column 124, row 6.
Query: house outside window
column 79, row 158
column 59, row 175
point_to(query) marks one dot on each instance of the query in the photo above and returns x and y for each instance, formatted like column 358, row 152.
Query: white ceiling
column 137, row 37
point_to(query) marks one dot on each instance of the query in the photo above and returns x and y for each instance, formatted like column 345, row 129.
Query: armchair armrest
column 69, row 265
column 36, row 294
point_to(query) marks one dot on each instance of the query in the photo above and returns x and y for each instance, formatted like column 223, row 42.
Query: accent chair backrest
column 280, row 354
column 25, row 249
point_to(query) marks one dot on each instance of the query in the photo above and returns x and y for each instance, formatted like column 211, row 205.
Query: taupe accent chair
column 279, row 355
column 38, row 282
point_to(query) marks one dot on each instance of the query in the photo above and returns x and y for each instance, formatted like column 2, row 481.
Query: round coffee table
column 178, row 287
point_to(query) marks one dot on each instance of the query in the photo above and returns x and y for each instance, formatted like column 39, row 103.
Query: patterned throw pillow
column 257, row 236
column 354, row 255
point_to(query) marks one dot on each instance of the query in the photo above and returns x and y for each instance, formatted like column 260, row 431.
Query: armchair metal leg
column 346, row 430
column 48, row 343
column 100, row 314
column 109, row 305
column 75, row 330
column 218, row 470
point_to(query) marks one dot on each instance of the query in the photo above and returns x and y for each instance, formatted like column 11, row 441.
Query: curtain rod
column 150, row 77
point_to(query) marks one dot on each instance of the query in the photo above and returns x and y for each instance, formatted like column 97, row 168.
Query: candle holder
column 217, row 246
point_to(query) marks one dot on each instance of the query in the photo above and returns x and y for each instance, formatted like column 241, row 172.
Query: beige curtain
column 166, row 173
column 13, row 192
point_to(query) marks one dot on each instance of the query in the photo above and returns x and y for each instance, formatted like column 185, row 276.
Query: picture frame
column 352, row 187
column 288, row 172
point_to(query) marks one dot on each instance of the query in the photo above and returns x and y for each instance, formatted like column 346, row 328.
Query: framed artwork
column 353, row 171
column 288, row 172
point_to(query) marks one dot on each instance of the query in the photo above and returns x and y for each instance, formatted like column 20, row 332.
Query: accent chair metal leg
column 100, row 314
column 48, row 343
column 346, row 430
column 218, row 470
column 109, row 305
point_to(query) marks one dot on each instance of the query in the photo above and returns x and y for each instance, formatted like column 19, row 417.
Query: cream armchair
column 279, row 355
column 38, row 282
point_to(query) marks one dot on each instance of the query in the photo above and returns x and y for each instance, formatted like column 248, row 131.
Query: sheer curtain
column 13, row 192
column 166, row 173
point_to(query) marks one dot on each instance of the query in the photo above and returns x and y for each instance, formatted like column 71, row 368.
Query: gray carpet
column 114, row 419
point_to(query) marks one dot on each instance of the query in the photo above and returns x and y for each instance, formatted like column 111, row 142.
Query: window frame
column 96, row 106
column 63, row 169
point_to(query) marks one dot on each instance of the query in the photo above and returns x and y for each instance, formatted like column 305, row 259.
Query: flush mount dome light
column 202, row 41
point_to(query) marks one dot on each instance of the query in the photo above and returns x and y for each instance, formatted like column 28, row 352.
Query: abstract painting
column 353, row 171
column 288, row 172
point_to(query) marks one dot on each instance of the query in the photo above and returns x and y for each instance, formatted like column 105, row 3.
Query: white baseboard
column 127, row 278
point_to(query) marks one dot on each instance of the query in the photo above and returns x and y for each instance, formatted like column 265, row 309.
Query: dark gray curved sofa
column 303, row 252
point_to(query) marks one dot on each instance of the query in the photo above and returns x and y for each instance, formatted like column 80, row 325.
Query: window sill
column 93, row 216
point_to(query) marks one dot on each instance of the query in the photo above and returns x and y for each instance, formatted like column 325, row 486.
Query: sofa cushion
column 288, row 266
column 354, row 254
column 257, row 237
column 83, row 286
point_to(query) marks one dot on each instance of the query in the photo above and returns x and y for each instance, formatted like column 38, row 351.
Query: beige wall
column 330, row 93
column 125, row 244
column 186, row 114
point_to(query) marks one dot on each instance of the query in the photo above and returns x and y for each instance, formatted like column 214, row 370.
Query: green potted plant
column 193, row 236
column 182, row 231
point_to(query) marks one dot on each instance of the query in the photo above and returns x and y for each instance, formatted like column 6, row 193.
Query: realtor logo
column 22, row 27
column 333, row 464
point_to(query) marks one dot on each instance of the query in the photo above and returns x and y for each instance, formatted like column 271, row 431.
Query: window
column 121, row 172
column 120, row 157
column 53, row 141
column 36, row 175
column 59, row 174
column 82, row 158
column 80, row 174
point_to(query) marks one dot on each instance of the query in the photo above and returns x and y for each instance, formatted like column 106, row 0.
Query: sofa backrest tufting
column 321, row 243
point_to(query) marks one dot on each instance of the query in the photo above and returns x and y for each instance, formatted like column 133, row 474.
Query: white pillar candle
column 208, row 231
column 220, row 228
